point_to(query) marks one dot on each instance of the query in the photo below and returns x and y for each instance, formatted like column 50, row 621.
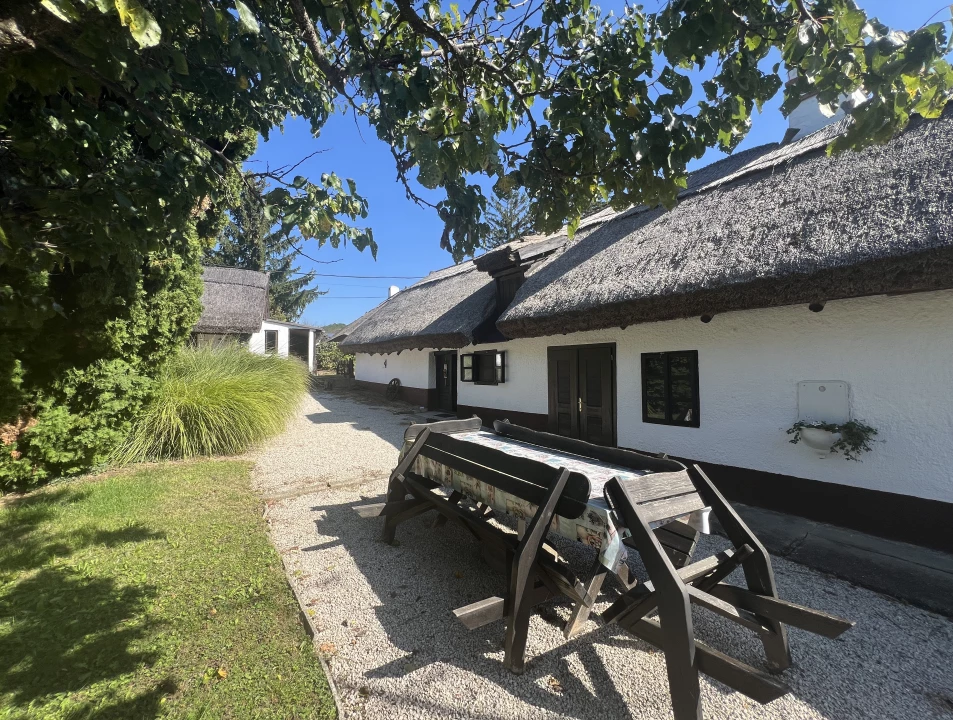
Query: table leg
column 580, row 612
column 625, row 577
column 455, row 497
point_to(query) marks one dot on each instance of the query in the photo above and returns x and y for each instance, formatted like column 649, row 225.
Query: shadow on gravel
column 869, row 672
column 356, row 410
column 431, row 571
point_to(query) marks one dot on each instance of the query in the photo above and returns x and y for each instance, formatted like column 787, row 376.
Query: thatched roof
column 440, row 311
column 773, row 225
column 790, row 226
column 234, row 301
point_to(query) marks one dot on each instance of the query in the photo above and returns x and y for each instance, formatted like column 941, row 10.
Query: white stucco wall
column 257, row 341
column 896, row 354
column 414, row 368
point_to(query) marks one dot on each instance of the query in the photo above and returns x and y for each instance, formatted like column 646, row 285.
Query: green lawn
column 150, row 593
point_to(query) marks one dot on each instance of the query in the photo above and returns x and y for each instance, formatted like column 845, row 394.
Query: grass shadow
column 25, row 545
column 65, row 630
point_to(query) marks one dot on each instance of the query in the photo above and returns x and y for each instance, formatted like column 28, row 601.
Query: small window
column 670, row 388
column 271, row 341
column 486, row 367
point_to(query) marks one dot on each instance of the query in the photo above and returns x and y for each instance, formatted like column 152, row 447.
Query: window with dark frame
column 484, row 367
column 271, row 341
column 670, row 388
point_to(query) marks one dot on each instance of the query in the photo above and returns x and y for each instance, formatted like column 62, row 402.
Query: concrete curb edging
column 309, row 629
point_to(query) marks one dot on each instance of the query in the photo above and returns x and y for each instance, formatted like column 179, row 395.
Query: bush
column 72, row 383
column 215, row 401
column 87, row 414
column 327, row 355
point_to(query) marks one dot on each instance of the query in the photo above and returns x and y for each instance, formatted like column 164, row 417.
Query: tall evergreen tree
column 507, row 219
column 247, row 241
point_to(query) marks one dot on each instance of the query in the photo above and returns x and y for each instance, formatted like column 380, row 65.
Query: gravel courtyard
column 382, row 614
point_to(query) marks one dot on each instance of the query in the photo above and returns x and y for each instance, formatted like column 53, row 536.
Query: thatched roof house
column 773, row 225
column 234, row 301
column 786, row 287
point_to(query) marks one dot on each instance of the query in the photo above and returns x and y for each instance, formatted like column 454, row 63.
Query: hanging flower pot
column 820, row 439
column 851, row 438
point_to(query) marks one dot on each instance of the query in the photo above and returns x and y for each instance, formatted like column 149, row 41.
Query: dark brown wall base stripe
column 889, row 515
column 422, row 397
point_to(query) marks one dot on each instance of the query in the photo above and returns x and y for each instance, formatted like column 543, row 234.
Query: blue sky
column 408, row 235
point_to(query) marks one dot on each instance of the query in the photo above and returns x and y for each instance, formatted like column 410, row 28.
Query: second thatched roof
column 440, row 311
column 234, row 301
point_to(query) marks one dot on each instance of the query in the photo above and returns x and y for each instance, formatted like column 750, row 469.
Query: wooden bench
column 534, row 571
column 672, row 590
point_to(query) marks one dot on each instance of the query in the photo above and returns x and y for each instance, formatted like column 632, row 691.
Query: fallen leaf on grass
column 222, row 673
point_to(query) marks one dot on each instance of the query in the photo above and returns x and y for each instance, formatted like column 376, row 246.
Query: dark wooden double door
column 582, row 392
column 446, row 366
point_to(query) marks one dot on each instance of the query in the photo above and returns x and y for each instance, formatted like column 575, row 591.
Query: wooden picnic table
column 667, row 499
column 607, row 498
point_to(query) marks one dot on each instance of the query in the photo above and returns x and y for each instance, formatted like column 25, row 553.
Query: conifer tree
column 507, row 219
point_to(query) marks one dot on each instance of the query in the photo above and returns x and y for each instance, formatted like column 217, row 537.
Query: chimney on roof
column 392, row 290
column 808, row 117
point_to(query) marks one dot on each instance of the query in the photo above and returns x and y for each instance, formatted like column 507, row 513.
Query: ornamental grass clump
column 216, row 401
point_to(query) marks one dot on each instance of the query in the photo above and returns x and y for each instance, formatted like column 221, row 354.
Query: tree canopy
column 124, row 125
column 553, row 96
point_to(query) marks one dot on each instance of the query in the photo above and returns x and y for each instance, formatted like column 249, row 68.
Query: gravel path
column 382, row 614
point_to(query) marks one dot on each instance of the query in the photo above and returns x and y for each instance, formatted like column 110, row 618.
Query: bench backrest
column 443, row 426
column 614, row 456
column 524, row 478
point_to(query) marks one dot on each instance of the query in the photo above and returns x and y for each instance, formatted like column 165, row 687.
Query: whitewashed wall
column 896, row 353
column 414, row 368
column 257, row 341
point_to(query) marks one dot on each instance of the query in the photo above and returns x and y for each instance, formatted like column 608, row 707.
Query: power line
column 372, row 277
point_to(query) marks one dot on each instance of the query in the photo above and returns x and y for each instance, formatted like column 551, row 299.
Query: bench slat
column 658, row 486
column 670, row 507
column 526, row 479
column 443, row 426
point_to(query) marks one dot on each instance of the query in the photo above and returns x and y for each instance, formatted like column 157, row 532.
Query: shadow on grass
column 64, row 629
column 25, row 546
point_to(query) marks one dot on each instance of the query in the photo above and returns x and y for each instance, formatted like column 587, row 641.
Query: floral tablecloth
column 597, row 527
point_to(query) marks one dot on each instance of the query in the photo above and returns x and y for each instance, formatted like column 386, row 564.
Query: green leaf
column 179, row 62
column 246, row 18
column 144, row 28
column 335, row 19
column 63, row 9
